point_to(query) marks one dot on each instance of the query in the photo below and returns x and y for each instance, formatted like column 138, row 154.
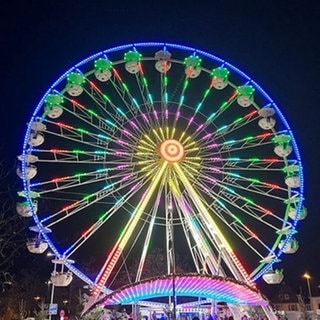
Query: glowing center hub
column 171, row 150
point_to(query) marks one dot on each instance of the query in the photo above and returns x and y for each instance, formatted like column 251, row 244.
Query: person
column 163, row 317
column 154, row 315
column 244, row 317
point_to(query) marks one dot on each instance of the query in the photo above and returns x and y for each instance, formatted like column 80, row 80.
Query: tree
column 12, row 227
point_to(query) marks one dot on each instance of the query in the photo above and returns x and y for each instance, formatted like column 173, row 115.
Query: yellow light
column 306, row 275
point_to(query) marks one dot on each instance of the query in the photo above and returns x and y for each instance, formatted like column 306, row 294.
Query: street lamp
column 307, row 276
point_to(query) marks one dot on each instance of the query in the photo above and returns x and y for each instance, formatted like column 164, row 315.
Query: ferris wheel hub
column 171, row 150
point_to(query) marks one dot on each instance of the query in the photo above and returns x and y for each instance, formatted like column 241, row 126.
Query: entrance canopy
column 188, row 285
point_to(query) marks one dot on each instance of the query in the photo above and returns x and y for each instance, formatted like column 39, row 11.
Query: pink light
column 199, row 128
column 155, row 114
column 125, row 131
column 145, row 118
column 177, row 115
column 190, row 121
column 133, row 124
column 166, row 114
column 206, row 136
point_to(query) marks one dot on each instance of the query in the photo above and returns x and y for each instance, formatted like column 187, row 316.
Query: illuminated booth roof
column 191, row 285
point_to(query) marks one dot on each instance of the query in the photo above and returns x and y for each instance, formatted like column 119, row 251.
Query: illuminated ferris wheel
column 161, row 144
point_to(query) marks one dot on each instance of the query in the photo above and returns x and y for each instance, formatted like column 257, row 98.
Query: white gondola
column 193, row 66
column 220, row 78
column 283, row 147
column 28, row 158
column 293, row 181
column 163, row 64
column 266, row 122
column 293, row 213
column 61, row 279
column 74, row 85
column 291, row 247
column 36, row 139
column 193, row 72
column 132, row 67
column 53, row 112
column 103, row 68
column 37, row 246
column 273, row 277
column 103, row 75
column 74, row 89
column 30, row 172
column 283, row 151
column 24, row 210
column 220, row 83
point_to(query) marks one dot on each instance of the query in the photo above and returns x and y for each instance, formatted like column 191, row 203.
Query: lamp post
column 307, row 276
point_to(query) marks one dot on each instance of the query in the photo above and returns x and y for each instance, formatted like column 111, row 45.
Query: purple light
column 177, row 115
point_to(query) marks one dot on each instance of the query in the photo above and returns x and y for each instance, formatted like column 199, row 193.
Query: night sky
column 275, row 42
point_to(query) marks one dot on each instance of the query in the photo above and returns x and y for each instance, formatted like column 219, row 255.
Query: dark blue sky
column 275, row 42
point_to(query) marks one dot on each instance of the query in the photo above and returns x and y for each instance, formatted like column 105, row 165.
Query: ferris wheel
column 160, row 144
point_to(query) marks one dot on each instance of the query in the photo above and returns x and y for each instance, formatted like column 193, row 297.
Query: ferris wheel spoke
column 79, row 157
column 110, row 189
column 213, row 116
column 85, row 236
column 91, row 116
column 201, row 247
column 252, row 185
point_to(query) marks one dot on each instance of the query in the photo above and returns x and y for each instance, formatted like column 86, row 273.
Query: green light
column 76, row 78
column 206, row 93
column 224, row 105
column 254, row 159
column 102, row 64
column 237, row 120
column 185, row 85
column 82, row 130
column 237, row 219
column 248, row 200
column 79, row 175
column 88, row 197
column 77, row 151
column 106, row 98
column 125, row 87
column 248, row 138
column 92, row 112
